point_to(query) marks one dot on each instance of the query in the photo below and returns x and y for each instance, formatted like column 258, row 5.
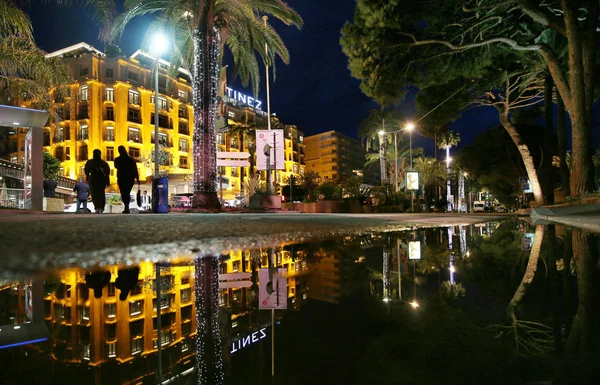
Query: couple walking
column 97, row 173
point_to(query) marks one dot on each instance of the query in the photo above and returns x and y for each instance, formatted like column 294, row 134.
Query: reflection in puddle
column 363, row 309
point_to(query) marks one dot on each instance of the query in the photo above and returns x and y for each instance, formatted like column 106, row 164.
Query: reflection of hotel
column 105, row 331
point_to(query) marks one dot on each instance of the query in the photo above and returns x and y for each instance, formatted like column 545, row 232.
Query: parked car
column 479, row 207
column 501, row 209
column 181, row 200
column 133, row 207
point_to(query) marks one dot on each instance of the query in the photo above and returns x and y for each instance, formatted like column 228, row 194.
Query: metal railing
column 12, row 198
column 11, row 169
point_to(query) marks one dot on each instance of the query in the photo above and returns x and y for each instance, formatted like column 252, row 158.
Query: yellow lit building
column 111, row 103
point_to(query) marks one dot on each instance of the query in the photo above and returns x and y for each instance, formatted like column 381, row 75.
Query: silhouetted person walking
column 83, row 193
column 126, row 281
column 127, row 173
column 97, row 173
column 97, row 281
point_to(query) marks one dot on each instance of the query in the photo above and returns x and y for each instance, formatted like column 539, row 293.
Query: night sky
column 315, row 92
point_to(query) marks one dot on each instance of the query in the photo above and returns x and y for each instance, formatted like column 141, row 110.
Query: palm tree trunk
column 527, row 158
column 242, row 168
column 205, row 77
column 209, row 359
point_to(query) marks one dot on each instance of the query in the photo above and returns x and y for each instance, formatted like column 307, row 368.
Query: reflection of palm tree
column 201, row 30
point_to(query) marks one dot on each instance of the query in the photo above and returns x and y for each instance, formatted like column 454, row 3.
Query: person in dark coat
column 50, row 186
column 83, row 192
column 97, row 173
column 127, row 174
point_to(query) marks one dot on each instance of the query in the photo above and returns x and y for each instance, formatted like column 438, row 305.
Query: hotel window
column 83, row 289
column 220, row 139
column 301, row 170
column 111, row 331
column 136, row 345
column 112, row 350
column 85, row 352
column 182, row 94
column 67, row 153
column 83, row 112
column 110, row 134
column 183, row 145
column 133, row 76
column 111, row 310
column 135, row 154
column 136, row 328
column 133, row 115
column 231, row 114
column 235, row 266
column 234, row 171
column 110, row 156
column 109, row 73
column 186, row 345
column 134, row 97
column 110, row 95
column 59, row 311
column 83, row 93
column 134, row 135
column 301, row 138
column 110, row 113
column 186, row 295
column 59, row 153
column 135, row 307
column 111, row 288
column 186, row 329
column 162, row 102
column 84, row 313
column 183, row 162
column 83, row 71
column 295, row 169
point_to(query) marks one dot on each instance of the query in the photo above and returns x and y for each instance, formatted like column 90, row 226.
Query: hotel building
column 111, row 103
column 336, row 157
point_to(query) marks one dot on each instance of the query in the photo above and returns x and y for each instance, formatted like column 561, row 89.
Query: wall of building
column 335, row 157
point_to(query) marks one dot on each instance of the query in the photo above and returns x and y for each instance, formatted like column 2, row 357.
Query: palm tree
column 447, row 140
column 376, row 144
column 430, row 171
column 26, row 74
column 200, row 30
column 403, row 153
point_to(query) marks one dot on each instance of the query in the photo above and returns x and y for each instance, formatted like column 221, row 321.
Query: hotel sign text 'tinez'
column 248, row 100
column 248, row 340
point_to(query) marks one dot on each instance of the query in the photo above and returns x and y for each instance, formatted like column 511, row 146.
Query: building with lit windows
column 336, row 157
column 243, row 111
column 112, row 103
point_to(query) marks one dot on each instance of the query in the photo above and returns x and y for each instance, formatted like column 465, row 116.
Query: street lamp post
column 269, row 172
column 159, row 45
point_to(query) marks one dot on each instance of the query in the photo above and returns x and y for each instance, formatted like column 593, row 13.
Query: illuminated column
column 461, row 193
column 448, row 190
column 450, row 235
column 209, row 359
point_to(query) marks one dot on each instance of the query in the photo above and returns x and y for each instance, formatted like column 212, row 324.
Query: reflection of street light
column 414, row 304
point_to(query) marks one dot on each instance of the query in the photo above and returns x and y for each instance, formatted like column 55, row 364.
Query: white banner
column 272, row 289
column 270, row 150
column 412, row 180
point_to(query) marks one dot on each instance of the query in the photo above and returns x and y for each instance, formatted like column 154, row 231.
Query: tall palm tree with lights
column 200, row 30
column 447, row 140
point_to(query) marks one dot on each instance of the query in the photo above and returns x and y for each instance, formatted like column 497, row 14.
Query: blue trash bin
column 160, row 195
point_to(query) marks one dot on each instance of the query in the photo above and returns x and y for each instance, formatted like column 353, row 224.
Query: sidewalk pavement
column 33, row 241
column 586, row 217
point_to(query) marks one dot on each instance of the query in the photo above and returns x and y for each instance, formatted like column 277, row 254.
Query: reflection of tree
column 452, row 291
column 581, row 349
column 531, row 338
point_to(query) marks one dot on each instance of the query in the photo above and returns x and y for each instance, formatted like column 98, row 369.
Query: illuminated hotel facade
column 111, row 103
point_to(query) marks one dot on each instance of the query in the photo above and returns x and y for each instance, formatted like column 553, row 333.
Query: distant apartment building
column 335, row 157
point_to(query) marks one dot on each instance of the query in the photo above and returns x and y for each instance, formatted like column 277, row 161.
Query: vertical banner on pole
column 272, row 289
column 270, row 150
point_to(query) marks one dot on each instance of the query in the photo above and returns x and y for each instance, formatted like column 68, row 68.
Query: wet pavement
column 33, row 240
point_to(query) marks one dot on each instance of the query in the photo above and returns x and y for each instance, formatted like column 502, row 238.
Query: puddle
column 494, row 303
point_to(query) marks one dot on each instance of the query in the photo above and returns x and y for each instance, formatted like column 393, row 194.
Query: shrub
column 330, row 191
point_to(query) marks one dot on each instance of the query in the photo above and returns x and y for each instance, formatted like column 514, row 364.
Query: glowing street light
column 414, row 304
